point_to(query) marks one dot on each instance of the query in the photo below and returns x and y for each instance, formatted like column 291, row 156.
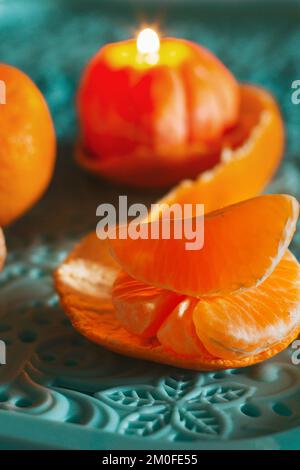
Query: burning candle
column 148, row 45
column 154, row 110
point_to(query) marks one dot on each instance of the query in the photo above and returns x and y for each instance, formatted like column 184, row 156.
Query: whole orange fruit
column 27, row 144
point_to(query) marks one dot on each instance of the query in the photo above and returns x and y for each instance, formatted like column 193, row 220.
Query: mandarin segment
column 178, row 333
column 141, row 308
column 251, row 322
column 243, row 244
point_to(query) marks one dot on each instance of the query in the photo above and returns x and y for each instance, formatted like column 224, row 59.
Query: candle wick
column 148, row 45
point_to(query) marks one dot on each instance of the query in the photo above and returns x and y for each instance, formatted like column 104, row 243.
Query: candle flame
column 148, row 42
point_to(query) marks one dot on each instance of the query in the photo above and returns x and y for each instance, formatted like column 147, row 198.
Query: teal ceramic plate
column 59, row 391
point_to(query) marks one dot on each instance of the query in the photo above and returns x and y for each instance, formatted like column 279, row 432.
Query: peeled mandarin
column 85, row 282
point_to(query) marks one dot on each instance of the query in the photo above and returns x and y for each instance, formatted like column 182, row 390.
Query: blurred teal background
column 53, row 39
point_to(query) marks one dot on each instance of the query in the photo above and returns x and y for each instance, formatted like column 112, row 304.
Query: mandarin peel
column 93, row 314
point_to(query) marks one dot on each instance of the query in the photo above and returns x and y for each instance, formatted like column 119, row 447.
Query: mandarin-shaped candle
column 153, row 112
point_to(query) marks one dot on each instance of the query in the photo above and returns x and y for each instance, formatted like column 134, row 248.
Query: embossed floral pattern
column 178, row 401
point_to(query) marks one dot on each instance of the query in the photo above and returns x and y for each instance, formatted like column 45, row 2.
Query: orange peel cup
column 151, row 126
column 239, row 304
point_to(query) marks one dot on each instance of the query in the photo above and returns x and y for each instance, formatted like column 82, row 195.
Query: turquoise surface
column 57, row 390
